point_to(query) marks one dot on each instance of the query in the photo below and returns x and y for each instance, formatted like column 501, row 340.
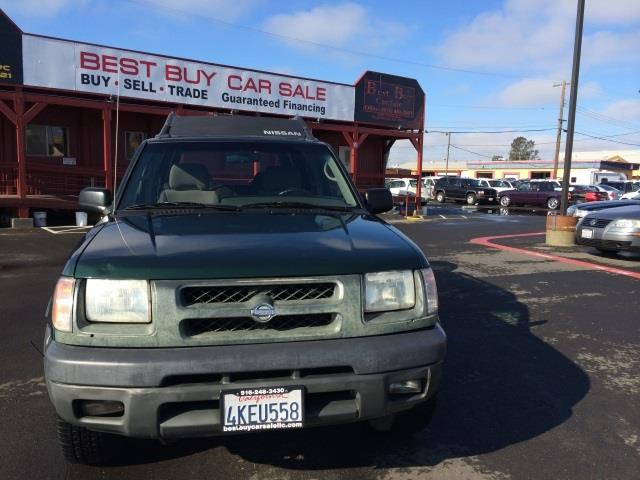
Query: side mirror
column 379, row 200
column 95, row 200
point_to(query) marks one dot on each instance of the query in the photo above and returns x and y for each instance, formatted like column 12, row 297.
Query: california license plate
column 587, row 233
column 255, row 409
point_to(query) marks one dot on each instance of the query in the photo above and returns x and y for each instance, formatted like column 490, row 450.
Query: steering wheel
column 294, row 191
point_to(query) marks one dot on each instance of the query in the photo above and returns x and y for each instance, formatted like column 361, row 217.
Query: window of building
column 47, row 140
column 133, row 141
column 540, row 175
column 484, row 174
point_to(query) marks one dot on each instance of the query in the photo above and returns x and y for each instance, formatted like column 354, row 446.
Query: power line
column 483, row 107
column 602, row 137
column 605, row 118
column 608, row 139
column 469, row 151
column 337, row 48
column 494, row 131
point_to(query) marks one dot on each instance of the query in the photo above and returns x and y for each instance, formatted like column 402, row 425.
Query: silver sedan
column 611, row 230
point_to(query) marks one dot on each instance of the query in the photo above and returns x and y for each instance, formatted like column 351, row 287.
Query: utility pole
column 556, row 158
column 446, row 168
column 573, row 99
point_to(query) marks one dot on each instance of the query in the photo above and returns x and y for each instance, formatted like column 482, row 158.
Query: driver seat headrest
column 188, row 176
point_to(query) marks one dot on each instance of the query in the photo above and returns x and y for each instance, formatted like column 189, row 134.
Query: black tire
column 440, row 197
column 606, row 252
column 505, row 201
column 411, row 421
column 83, row 446
column 553, row 203
column 471, row 199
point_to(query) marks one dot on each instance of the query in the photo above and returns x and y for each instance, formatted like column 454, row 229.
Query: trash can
column 81, row 219
column 39, row 219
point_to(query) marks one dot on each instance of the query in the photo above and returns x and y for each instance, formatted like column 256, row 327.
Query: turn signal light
column 62, row 311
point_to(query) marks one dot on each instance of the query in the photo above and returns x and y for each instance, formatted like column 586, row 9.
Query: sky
column 486, row 66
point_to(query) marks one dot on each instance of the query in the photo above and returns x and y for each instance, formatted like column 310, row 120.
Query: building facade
column 73, row 114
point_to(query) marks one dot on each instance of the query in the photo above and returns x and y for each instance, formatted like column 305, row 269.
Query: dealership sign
column 62, row 64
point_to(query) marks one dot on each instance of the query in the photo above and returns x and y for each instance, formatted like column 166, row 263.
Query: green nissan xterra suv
column 238, row 282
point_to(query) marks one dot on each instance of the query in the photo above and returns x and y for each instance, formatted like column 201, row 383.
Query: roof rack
column 235, row 126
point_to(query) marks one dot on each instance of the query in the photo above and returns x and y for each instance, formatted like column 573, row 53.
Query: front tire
column 83, row 446
column 408, row 422
column 440, row 197
column 505, row 201
column 471, row 199
column 553, row 203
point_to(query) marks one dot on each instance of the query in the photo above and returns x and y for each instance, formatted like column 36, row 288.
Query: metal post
column 419, row 184
column 446, row 168
column 556, row 158
column 573, row 98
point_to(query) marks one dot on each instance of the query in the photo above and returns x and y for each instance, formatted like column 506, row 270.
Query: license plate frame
column 272, row 400
column 586, row 233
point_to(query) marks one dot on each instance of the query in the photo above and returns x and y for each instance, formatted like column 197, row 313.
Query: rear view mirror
column 379, row 200
column 95, row 200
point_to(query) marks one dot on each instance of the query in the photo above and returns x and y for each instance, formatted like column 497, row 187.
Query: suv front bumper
column 173, row 393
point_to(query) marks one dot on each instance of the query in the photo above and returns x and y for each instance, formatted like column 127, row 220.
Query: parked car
column 468, row 190
column 401, row 186
column 611, row 230
column 429, row 183
column 501, row 185
column 613, row 193
column 209, row 303
column 587, row 193
column 631, row 195
column 585, row 208
column 538, row 193
column 497, row 185
column 405, row 187
column 624, row 187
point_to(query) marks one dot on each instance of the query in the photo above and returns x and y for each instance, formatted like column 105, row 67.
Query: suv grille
column 599, row 223
column 198, row 326
column 243, row 293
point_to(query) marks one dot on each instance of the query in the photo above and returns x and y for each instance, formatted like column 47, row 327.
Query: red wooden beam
column 354, row 154
column 348, row 138
column 35, row 109
column 415, row 141
column 20, row 148
column 10, row 114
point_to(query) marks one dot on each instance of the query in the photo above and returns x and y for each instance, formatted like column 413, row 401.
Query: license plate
column 491, row 199
column 587, row 233
column 255, row 409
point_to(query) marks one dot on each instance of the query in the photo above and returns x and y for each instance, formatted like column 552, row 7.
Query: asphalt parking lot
column 541, row 378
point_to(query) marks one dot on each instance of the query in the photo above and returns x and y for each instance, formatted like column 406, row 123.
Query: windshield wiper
column 298, row 205
column 186, row 205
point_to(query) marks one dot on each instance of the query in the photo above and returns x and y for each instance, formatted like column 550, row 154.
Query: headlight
column 626, row 224
column 385, row 291
column 62, row 311
column 117, row 301
column 431, row 291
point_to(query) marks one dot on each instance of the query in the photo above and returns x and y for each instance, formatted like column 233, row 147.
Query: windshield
column 237, row 174
column 474, row 183
column 499, row 183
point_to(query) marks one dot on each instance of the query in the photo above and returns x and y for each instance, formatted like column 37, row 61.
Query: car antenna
column 115, row 152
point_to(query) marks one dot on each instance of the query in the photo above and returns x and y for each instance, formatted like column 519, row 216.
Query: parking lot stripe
column 487, row 242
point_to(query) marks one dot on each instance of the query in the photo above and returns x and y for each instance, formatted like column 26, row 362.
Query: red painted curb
column 486, row 242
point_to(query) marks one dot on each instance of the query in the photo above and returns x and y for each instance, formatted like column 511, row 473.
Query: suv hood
column 241, row 245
